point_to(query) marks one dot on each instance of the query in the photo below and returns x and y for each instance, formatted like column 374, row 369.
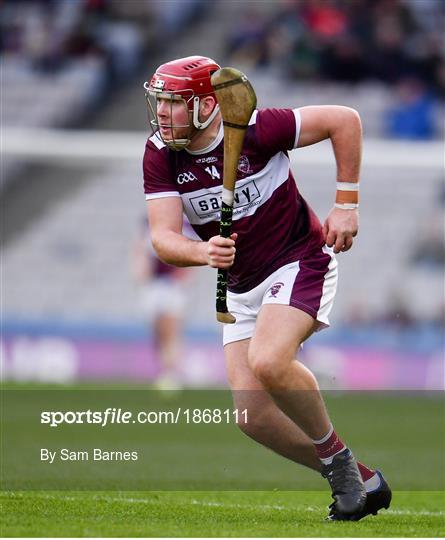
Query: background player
column 163, row 301
column 283, row 279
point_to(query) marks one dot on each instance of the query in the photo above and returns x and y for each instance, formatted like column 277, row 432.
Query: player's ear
column 206, row 105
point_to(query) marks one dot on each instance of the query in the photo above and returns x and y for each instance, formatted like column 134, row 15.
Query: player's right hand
column 221, row 251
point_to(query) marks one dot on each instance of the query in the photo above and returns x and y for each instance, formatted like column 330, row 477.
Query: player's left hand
column 340, row 228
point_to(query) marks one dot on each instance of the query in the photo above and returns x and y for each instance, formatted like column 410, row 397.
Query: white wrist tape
column 348, row 186
column 346, row 206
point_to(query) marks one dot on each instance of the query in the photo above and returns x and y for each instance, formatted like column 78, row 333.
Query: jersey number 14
column 213, row 171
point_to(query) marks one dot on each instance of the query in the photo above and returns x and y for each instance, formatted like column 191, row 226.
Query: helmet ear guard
column 196, row 122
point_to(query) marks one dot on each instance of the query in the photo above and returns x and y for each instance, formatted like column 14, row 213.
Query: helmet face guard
column 180, row 83
column 166, row 131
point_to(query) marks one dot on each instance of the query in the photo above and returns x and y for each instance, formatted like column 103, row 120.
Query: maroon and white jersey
column 274, row 223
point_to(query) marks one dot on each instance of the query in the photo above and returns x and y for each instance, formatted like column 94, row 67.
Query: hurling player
column 281, row 259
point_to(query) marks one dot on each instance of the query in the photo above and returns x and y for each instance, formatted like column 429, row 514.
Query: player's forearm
column 178, row 250
column 343, row 126
column 346, row 137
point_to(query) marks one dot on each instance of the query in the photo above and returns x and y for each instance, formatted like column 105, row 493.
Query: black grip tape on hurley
column 225, row 230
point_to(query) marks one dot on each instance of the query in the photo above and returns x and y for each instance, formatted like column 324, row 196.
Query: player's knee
column 268, row 369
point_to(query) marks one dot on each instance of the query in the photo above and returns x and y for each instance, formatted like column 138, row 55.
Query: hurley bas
column 97, row 454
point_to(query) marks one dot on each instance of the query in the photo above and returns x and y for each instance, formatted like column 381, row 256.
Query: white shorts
column 162, row 296
column 308, row 284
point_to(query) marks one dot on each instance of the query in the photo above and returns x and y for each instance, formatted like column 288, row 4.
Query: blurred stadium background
column 73, row 130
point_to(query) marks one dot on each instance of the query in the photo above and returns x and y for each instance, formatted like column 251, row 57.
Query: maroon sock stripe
column 330, row 447
column 365, row 471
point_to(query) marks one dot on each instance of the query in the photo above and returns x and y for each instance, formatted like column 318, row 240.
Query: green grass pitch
column 239, row 488
column 213, row 514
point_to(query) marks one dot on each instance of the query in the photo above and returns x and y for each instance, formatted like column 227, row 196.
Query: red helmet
column 186, row 79
column 185, row 76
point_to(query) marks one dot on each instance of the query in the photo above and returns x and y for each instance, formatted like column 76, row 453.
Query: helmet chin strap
column 196, row 121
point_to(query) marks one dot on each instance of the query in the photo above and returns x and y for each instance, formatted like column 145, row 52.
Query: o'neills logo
column 209, row 159
column 275, row 289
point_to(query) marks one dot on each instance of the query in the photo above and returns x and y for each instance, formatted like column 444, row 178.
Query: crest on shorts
column 244, row 165
column 275, row 289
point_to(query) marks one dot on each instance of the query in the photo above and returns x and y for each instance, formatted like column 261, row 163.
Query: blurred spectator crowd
column 51, row 33
column 109, row 39
column 395, row 42
column 105, row 42
column 61, row 60
column 346, row 40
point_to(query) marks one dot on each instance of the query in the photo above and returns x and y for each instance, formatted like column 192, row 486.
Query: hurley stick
column 237, row 101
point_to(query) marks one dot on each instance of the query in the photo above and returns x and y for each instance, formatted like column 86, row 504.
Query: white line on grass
column 414, row 512
column 309, row 508
column 215, row 504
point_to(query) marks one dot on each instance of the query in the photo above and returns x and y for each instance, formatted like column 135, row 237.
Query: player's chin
column 167, row 134
column 175, row 134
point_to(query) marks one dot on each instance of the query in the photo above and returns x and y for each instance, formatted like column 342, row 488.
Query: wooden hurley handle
column 237, row 101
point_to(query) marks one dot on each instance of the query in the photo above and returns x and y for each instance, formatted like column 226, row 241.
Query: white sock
column 372, row 483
